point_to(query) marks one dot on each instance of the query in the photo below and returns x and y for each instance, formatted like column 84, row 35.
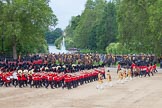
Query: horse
column 136, row 71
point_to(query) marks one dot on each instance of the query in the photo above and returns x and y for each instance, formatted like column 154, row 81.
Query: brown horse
column 136, row 72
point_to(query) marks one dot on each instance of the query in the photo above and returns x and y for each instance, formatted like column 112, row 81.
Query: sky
column 65, row 9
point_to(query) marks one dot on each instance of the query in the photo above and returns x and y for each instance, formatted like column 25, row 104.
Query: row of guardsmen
column 24, row 78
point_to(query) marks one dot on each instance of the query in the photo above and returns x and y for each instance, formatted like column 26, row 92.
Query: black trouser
column 49, row 83
column 132, row 74
column 93, row 78
column 142, row 73
column 81, row 81
column 104, row 76
column 56, row 84
column 1, row 82
column 96, row 77
column 86, row 80
column 147, row 73
column 152, row 73
column 74, row 83
column 7, row 84
column 68, row 85
column 155, row 70
column 36, row 83
column 30, row 83
column 44, row 82
column 15, row 82
column 39, row 84
column 24, row 82
column 20, row 83
column 59, row 83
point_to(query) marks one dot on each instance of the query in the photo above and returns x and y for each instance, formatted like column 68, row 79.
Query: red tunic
column 23, row 78
column 29, row 77
column 133, row 66
column 50, row 78
column 147, row 70
column 4, row 78
column 67, row 79
column 19, row 77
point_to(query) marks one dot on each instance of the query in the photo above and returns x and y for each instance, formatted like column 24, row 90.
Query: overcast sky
column 65, row 9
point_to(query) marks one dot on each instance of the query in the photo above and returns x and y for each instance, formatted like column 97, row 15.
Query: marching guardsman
column 30, row 78
column 44, row 78
column 50, row 80
column 36, row 80
column 103, row 73
column 154, row 68
column 109, row 78
column 124, row 74
column 24, row 78
column 58, row 79
column 74, row 81
column 67, row 81
column 120, row 76
column 147, row 71
column 6, row 79
column 151, row 69
column 119, row 68
column 129, row 74
column 100, row 81
column 19, row 76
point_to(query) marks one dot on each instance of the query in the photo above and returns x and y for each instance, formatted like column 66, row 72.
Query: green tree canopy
column 51, row 36
column 139, row 23
column 25, row 23
column 95, row 28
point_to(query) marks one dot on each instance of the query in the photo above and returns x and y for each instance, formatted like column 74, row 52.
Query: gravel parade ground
column 143, row 92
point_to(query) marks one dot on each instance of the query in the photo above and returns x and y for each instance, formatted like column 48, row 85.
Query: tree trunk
column 14, row 47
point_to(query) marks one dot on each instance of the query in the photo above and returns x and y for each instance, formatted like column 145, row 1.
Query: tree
column 139, row 25
column 155, row 24
column 26, row 22
column 51, row 36
column 133, row 24
column 85, row 32
column 116, row 48
column 70, row 31
column 95, row 28
column 107, row 29
column 85, row 26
